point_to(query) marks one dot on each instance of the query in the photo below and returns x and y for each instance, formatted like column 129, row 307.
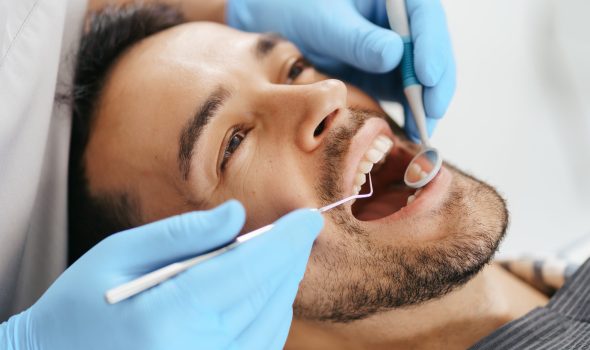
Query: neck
column 454, row 321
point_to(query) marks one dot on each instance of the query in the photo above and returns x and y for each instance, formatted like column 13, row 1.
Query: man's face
column 202, row 113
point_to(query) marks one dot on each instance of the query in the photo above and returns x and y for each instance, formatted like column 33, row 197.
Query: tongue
column 381, row 205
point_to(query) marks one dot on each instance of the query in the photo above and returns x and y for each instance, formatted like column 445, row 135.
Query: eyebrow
column 266, row 43
column 193, row 129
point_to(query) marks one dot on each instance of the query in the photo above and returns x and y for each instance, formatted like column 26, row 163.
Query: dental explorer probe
column 428, row 161
column 156, row 277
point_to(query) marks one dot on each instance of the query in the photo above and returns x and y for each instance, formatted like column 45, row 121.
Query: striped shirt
column 564, row 323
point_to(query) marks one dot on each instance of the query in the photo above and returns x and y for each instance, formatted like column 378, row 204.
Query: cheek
column 269, row 188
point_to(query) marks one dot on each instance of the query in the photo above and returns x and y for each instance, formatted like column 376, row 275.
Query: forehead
column 169, row 72
column 195, row 50
column 164, row 76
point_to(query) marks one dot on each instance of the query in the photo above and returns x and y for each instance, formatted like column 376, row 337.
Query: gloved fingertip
column 307, row 220
column 391, row 53
column 382, row 51
column 437, row 100
column 230, row 214
column 437, row 111
column 228, row 209
column 430, row 75
column 430, row 65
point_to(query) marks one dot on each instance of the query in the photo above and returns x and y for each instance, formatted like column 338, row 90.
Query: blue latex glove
column 349, row 39
column 241, row 299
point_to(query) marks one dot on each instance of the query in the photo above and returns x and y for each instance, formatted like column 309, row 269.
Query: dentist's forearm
column 194, row 10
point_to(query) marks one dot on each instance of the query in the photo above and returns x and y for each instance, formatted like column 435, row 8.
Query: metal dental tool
column 426, row 164
column 156, row 277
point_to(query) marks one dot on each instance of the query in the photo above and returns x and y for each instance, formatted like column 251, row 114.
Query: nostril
column 324, row 123
column 320, row 128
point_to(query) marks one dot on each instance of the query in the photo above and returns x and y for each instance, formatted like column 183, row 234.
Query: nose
column 311, row 110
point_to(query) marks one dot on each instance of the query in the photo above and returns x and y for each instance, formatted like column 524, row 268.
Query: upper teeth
column 415, row 172
column 375, row 154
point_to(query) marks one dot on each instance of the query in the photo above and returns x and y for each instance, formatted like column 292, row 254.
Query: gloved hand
column 350, row 39
column 241, row 299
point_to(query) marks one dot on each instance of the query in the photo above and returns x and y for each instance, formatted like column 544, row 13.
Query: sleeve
column 34, row 139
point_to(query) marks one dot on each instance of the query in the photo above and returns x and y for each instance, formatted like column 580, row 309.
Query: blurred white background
column 520, row 118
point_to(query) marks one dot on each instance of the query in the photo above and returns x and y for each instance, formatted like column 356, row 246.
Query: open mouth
column 387, row 164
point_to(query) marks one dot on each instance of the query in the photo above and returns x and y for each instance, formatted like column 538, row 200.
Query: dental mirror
column 423, row 168
column 426, row 164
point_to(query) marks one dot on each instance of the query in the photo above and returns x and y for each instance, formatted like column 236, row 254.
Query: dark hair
column 109, row 32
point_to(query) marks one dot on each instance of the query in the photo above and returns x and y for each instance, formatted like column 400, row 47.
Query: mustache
column 336, row 148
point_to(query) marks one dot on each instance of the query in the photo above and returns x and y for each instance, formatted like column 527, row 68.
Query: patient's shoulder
column 565, row 320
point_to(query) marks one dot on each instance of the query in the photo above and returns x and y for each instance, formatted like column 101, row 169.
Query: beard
column 354, row 276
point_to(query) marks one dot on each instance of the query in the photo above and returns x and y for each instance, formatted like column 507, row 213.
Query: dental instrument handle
column 398, row 20
column 156, row 277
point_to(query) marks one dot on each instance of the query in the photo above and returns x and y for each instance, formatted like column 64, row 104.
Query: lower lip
column 431, row 197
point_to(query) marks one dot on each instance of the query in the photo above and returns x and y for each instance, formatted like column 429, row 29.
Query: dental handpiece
column 156, row 277
column 398, row 20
